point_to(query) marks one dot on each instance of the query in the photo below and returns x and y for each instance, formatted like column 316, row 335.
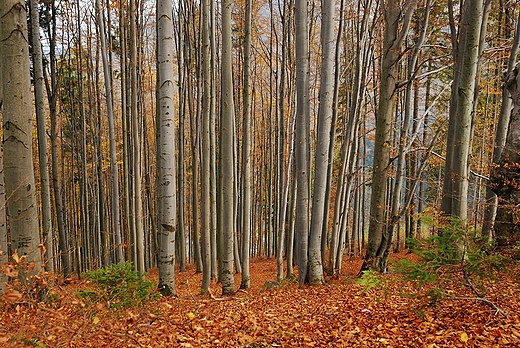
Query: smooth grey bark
column 283, row 170
column 500, row 137
column 226, row 156
column 181, row 168
column 20, row 188
column 127, row 224
column 167, row 195
column 350, row 146
column 397, row 22
column 205, row 153
column 213, row 144
column 302, row 153
column 43, row 154
column 327, row 199
column 114, row 179
column 246, row 152
column 321, row 162
column 395, row 204
column 52, row 91
column 87, row 240
column 136, row 142
column 456, row 173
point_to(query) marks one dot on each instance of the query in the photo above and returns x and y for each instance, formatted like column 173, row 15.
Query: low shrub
column 120, row 286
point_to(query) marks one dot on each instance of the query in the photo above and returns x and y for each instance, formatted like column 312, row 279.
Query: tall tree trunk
column 319, row 204
column 302, row 139
column 456, row 173
column 246, row 152
column 116, row 227
column 327, row 199
column 43, row 155
column 136, row 141
column 20, row 188
column 226, row 156
column 166, row 147
column 84, row 177
column 350, row 146
column 181, row 168
column 393, row 40
column 283, row 168
column 127, row 222
column 52, row 91
column 395, row 204
column 206, row 145
column 213, row 144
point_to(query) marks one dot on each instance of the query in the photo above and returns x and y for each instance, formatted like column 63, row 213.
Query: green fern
column 369, row 280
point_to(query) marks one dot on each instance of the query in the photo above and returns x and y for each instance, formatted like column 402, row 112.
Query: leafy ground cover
column 394, row 313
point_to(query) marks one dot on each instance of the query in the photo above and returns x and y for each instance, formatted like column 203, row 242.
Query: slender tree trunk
column 213, row 144
column 166, row 147
column 206, row 145
column 136, row 141
column 226, row 157
column 302, row 139
column 84, row 178
column 395, row 204
column 127, row 225
column 350, row 145
column 283, row 170
column 456, row 176
column 325, row 228
column 319, row 205
column 52, row 90
column 43, row 156
column 246, row 152
column 116, row 227
column 393, row 40
column 20, row 188
column 181, row 171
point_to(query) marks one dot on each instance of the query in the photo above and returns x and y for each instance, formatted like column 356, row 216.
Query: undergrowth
column 119, row 285
column 456, row 257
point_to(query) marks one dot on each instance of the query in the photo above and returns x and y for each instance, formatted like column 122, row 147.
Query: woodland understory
column 395, row 313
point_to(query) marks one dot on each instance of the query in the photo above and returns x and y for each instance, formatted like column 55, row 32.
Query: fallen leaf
column 12, row 296
column 464, row 337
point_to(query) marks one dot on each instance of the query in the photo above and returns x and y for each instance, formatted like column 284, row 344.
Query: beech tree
column 166, row 147
column 114, row 185
column 20, row 187
column 43, row 155
column 246, row 152
column 319, row 203
column 397, row 21
column 206, row 148
column 466, row 50
column 226, row 165
column 136, row 144
column 302, row 155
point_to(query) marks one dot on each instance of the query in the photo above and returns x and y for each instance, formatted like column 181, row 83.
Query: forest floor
column 338, row 314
